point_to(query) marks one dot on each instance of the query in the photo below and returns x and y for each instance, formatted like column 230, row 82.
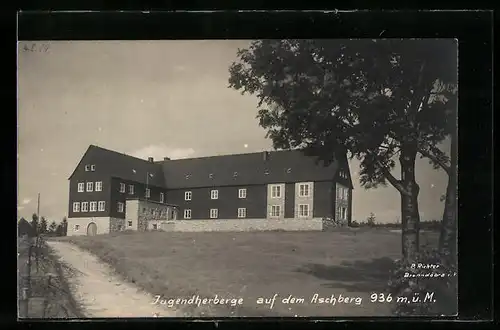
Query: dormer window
column 87, row 168
column 92, row 168
column 188, row 176
column 235, row 174
column 288, row 170
column 266, row 172
column 211, row 176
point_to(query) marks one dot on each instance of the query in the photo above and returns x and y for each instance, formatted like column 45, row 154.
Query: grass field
column 255, row 265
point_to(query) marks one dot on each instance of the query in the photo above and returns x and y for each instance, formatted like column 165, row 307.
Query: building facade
column 110, row 191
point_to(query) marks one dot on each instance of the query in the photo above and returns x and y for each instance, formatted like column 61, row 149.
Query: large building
column 110, row 191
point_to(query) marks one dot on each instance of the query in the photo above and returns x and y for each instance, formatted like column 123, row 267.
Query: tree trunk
column 448, row 234
column 410, row 217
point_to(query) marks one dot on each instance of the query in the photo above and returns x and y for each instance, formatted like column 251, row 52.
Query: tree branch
column 431, row 156
column 395, row 182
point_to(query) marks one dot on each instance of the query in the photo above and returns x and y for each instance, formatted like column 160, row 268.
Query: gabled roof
column 123, row 166
column 246, row 169
column 225, row 170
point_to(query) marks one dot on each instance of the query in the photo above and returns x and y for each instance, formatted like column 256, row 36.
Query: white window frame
column 303, row 207
column 92, row 168
column 242, row 212
column 274, row 193
column 76, row 227
column 90, row 186
column 81, row 186
column 129, row 223
column 98, row 186
column 131, row 189
column 123, row 187
column 214, row 213
column 187, row 214
column 121, row 207
column 76, row 207
column 84, row 207
column 93, row 207
column 101, row 206
column 346, row 194
column 188, row 195
column 303, row 188
column 148, row 193
column 87, row 168
column 272, row 215
column 162, row 197
column 214, row 194
column 242, row 193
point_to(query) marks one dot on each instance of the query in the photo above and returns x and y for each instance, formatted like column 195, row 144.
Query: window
column 90, row 186
column 148, row 192
column 85, row 206
column 101, row 206
column 346, row 194
column 93, row 206
column 188, row 196
column 276, row 191
column 303, row 210
column 98, row 186
column 242, row 193
column 266, row 172
column 275, row 211
column 81, row 186
column 76, row 207
column 87, row 168
column 162, row 197
column 187, row 214
column 92, row 168
column 77, row 227
column 242, row 212
column 343, row 213
column 143, row 210
column 304, row 190
column 214, row 194
column 214, row 213
column 288, row 170
column 155, row 226
column 235, row 174
column 120, row 207
column 130, row 223
column 211, row 176
column 131, row 189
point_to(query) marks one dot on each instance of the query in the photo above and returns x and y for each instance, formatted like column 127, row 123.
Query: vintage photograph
column 237, row 178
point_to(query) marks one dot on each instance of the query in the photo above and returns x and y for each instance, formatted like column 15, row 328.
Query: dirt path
column 100, row 292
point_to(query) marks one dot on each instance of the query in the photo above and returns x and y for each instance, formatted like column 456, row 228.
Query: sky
column 150, row 99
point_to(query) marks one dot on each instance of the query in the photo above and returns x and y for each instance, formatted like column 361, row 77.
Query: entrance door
column 92, row 229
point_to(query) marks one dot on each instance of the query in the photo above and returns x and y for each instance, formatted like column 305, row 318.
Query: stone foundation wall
column 116, row 224
column 235, row 225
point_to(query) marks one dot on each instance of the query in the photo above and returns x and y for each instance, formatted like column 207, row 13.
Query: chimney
column 166, row 158
column 265, row 155
column 151, row 159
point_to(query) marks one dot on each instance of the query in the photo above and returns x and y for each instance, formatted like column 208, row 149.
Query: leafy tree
column 375, row 100
column 34, row 223
column 42, row 227
column 53, row 227
column 59, row 230
column 24, row 228
column 65, row 226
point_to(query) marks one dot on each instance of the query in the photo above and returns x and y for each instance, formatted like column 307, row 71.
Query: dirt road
column 100, row 292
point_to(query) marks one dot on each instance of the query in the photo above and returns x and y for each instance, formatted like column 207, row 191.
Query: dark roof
column 225, row 170
column 124, row 166
column 246, row 169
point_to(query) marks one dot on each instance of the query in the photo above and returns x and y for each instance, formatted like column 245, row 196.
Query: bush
column 330, row 223
column 370, row 221
column 355, row 224
column 426, row 290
